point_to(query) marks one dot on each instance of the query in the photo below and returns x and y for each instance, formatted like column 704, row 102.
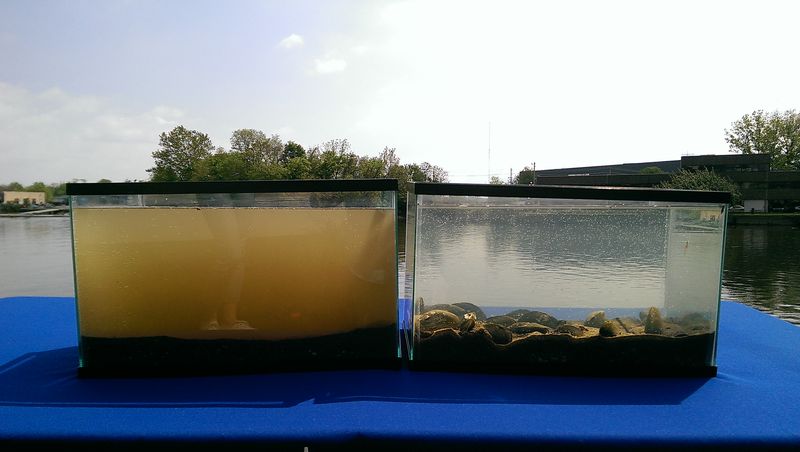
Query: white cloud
column 560, row 88
column 329, row 65
column 533, row 69
column 360, row 49
column 54, row 136
column 291, row 41
column 285, row 131
column 165, row 115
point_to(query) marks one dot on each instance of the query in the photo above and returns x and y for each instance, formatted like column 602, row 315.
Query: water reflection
column 761, row 269
column 761, row 266
column 35, row 257
column 522, row 258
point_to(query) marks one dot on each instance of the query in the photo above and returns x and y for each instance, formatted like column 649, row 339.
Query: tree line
column 185, row 154
column 776, row 133
column 189, row 155
column 51, row 191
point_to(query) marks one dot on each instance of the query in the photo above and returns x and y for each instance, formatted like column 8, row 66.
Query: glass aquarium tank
column 227, row 277
column 564, row 280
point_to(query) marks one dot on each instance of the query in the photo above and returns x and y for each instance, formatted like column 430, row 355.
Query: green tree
column 651, row 170
column 702, row 180
column 389, row 159
column 404, row 174
column 433, row 173
column 325, row 165
column 256, row 147
column 41, row 187
column 59, row 188
column 291, row 150
column 348, row 166
column 412, row 173
column 187, row 155
column 268, row 171
column 15, row 186
column 180, row 151
column 222, row 166
column 494, row 180
column 338, row 146
column 776, row 134
column 370, row 168
column 298, row 168
column 334, row 161
column 525, row 177
column 10, row 207
column 104, row 181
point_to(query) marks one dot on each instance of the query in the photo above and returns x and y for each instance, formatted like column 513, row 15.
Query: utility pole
column 489, row 157
column 510, row 176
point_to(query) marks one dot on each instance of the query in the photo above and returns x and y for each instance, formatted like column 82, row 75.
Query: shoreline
column 21, row 215
column 763, row 219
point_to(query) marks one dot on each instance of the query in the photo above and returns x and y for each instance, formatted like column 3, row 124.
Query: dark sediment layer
column 633, row 355
column 161, row 355
column 536, row 342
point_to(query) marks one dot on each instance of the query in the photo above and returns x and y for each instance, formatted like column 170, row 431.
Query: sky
column 478, row 88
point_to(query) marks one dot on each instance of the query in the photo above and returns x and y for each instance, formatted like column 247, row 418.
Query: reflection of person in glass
column 229, row 235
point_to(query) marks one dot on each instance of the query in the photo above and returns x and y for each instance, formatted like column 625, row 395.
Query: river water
column 761, row 263
column 762, row 269
column 35, row 257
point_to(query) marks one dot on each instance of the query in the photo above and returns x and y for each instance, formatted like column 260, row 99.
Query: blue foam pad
column 754, row 400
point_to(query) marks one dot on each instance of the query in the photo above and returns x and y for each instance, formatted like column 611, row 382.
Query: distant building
column 762, row 189
column 729, row 163
column 667, row 166
column 20, row 197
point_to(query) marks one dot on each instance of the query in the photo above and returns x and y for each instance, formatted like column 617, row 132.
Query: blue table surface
column 754, row 400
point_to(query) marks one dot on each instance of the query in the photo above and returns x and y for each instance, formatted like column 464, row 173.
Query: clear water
column 569, row 258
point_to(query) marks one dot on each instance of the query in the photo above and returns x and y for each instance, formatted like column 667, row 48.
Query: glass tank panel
column 233, row 277
column 564, row 279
